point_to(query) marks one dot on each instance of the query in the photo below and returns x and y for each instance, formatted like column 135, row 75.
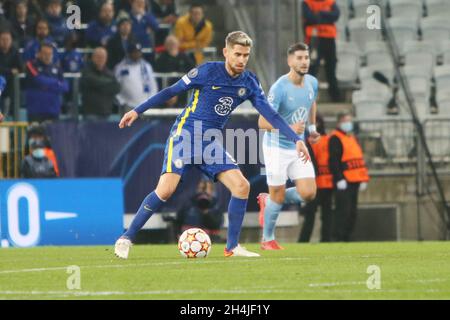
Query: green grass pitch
column 408, row 270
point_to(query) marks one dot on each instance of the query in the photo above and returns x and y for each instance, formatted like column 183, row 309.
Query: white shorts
column 283, row 164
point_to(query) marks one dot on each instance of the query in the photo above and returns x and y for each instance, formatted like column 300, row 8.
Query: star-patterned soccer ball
column 194, row 243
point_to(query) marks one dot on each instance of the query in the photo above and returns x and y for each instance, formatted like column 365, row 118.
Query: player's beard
column 301, row 73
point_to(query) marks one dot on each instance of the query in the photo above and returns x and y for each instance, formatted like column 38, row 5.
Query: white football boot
column 240, row 252
column 122, row 248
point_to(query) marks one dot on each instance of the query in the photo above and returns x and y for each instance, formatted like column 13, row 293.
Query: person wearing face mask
column 38, row 164
column 350, row 175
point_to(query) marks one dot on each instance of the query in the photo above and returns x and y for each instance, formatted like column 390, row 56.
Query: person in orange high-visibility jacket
column 350, row 175
column 319, row 18
column 194, row 32
column 324, row 181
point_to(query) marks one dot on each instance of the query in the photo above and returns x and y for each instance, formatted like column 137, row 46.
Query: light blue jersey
column 293, row 103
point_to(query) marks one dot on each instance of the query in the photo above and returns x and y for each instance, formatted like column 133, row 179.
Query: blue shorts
column 209, row 157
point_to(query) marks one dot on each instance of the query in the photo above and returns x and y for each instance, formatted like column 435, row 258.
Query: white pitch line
column 183, row 262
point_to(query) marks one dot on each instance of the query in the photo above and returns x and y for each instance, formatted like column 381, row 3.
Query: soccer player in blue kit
column 293, row 96
column 219, row 87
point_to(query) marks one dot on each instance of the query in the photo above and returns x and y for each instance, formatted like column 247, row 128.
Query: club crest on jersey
column 178, row 163
column 224, row 108
column 242, row 92
column 193, row 73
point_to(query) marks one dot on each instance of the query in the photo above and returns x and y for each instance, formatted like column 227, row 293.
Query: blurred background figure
column 324, row 181
column 136, row 78
column 10, row 66
column 98, row 87
column 45, row 85
column 172, row 60
column 118, row 45
column 103, row 28
column 350, row 175
column 202, row 212
column 319, row 18
column 41, row 161
column 194, row 31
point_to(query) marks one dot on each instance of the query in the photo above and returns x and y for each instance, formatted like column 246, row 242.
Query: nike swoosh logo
column 216, row 88
column 146, row 207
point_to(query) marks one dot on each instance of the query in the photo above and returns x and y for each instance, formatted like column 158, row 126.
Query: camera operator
column 202, row 212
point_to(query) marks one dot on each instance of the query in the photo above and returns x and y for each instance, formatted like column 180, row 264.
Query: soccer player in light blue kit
column 219, row 87
column 293, row 96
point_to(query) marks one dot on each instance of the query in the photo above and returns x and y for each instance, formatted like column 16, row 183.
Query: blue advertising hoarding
column 60, row 212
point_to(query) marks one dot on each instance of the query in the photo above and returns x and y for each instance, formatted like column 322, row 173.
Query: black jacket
column 98, row 90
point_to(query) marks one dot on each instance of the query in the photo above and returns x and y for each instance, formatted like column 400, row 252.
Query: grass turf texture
column 313, row 271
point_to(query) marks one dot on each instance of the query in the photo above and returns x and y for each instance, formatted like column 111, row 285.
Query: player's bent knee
column 307, row 195
column 241, row 189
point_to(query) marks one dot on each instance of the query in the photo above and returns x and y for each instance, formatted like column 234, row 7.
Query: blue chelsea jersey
column 216, row 94
column 293, row 103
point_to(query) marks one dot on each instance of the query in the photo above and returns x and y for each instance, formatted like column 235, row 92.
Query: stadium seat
column 360, row 34
column 442, row 78
column 377, row 53
column 435, row 29
column 420, row 53
column 341, row 24
column 348, row 56
column 437, row 132
column 370, row 104
column 438, row 8
column 360, row 6
column 420, row 87
column 410, row 9
column 403, row 30
column 397, row 137
column 365, row 74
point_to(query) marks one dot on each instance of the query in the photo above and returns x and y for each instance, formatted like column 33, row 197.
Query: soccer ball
column 194, row 243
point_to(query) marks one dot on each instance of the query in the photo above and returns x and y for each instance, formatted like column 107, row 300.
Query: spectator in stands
column 136, row 78
column 41, row 162
column 22, row 24
column 194, row 32
column 2, row 87
column 103, row 28
column 98, row 87
column 324, row 181
column 202, row 211
column 349, row 173
column 10, row 65
column 118, row 44
column 172, row 60
column 44, row 86
column 42, row 31
column 57, row 21
column 90, row 9
column 144, row 24
column 72, row 60
column 165, row 12
column 319, row 18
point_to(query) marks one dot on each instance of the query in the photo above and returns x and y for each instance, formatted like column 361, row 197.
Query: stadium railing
column 13, row 136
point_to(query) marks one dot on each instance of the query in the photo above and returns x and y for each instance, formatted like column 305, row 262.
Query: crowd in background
column 129, row 41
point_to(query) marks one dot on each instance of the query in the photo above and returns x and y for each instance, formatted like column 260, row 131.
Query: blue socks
column 270, row 219
column 236, row 212
column 292, row 196
column 151, row 204
column 273, row 211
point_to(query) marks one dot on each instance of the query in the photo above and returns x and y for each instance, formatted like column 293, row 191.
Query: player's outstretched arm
column 154, row 101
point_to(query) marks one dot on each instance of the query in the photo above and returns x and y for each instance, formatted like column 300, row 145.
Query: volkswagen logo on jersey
column 242, row 92
column 225, row 106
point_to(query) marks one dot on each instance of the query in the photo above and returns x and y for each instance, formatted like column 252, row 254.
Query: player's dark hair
column 196, row 4
column 299, row 46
